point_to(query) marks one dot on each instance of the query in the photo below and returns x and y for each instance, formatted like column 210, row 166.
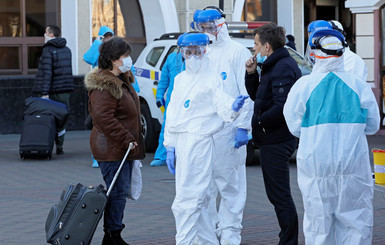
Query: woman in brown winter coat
column 115, row 110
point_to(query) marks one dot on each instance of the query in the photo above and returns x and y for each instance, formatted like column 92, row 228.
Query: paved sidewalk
column 28, row 189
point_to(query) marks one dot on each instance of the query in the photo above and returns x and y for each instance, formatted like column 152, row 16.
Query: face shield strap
column 335, row 52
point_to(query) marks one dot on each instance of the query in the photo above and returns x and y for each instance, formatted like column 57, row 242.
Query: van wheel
column 148, row 129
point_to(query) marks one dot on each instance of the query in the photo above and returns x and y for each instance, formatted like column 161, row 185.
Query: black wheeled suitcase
column 37, row 136
column 74, row 219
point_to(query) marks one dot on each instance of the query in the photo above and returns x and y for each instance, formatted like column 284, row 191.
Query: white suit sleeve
column 169, row 136
column 295, row 108
column 369, row 102
column 244, row 119
column 223, row 102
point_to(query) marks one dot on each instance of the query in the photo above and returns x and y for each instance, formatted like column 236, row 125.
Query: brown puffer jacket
column 115, row 110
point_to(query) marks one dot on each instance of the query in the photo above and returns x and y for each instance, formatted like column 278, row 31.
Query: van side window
column 154, row 55
column 173, row 49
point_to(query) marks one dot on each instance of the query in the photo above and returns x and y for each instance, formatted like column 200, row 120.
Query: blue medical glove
column 241, row 138
column 160, row 102
column 239, row 101
column 170, row 159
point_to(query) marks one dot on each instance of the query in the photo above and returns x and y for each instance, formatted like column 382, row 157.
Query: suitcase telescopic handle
column 118, row 171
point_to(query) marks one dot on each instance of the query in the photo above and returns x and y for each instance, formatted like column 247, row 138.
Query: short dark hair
column 55, row 30
column 273, row 34
column 111, row 50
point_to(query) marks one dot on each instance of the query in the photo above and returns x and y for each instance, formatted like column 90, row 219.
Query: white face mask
column 193, row 64
column 127, row 63
column 47, row 38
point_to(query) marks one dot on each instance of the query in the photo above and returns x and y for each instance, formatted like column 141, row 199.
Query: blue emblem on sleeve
column 224, row 75
column 187, row 103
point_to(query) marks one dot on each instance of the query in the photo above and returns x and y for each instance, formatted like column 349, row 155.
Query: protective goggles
column 196, row 51
column 207, row 27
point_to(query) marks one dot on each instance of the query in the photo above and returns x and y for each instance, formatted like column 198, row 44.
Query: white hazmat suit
column 228, row 59
column 197, row 110
column 332, row 111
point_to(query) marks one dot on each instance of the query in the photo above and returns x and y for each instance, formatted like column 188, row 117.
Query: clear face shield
column 309, row 54
column 190, row 51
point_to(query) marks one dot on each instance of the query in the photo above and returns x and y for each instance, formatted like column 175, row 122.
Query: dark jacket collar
column 275, row 57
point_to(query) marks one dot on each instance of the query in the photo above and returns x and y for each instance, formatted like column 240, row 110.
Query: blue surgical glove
column 170, row 159
column 160, row 102
column 241, row 138
column 239, row 101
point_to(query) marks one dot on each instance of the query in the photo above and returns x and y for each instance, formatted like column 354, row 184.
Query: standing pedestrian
column 331, row 111
column 115, row 109
column 197, row 110
column 54, row 78
column 270, row 133
column 171, row 68
column 91, row 57
column 228, row 59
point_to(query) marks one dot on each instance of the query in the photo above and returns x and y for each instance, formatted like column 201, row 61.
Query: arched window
column 122, row 16
column 260, row 10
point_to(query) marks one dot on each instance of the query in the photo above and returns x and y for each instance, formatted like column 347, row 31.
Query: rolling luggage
column 37, row 136
column 74, row 219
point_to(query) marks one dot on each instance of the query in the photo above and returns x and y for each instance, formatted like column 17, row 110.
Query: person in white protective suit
column 228, row 59
column 197, row 110
column 331, row 111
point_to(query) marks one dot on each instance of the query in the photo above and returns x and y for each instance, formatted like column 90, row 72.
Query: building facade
column 22, row 24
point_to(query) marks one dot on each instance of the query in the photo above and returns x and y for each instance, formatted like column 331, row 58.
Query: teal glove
column 170, row 159
column 239, row 101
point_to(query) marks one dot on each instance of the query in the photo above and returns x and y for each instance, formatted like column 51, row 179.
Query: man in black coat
column 54, row 79
column 269, row 91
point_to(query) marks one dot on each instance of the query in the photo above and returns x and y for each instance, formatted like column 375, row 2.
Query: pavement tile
column 29, row 188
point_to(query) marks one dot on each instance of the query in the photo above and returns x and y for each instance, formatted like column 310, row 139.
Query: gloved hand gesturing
column 160, row 102
column 241, row 138
column 170, row 159
column 239, row 101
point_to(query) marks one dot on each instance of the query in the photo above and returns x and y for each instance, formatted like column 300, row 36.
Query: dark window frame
column 24, row 42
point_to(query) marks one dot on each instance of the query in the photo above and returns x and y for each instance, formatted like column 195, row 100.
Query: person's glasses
column 196, row 51
column 208, row 27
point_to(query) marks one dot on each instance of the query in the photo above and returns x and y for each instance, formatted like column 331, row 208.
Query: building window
column 22, row 27
column 383, row 66
column 124, row 18
column 107, row 13
column 260, row 10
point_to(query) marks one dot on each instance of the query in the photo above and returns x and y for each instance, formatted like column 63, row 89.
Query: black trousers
column 276, row 176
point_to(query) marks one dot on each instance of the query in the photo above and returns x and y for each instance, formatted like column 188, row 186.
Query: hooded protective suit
column 171, row 68
column 197, row 110
column 331, row 111
column 228, row 58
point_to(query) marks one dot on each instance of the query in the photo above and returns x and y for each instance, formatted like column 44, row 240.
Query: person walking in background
column 54, row 78
column 197, row 110
column 115, row 109
column 171, row 68
column 91, row 58
column 331, row 111
column 290, row 41
column 270, row 133
column 227, row 58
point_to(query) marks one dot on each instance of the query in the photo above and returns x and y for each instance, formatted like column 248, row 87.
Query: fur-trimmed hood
column 102, row 79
